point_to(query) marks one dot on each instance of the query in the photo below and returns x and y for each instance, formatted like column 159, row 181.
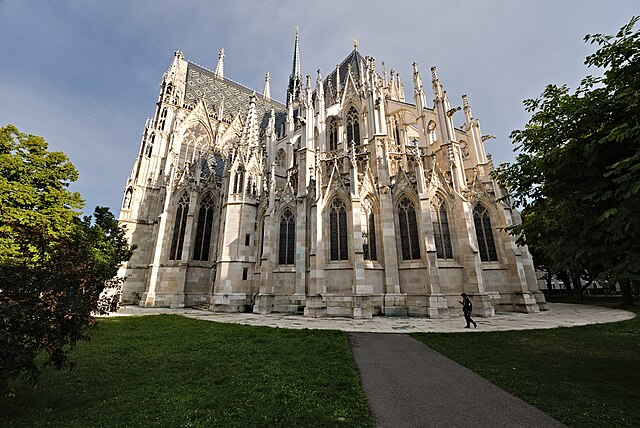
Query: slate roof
column 202, row 83
column 355, row 60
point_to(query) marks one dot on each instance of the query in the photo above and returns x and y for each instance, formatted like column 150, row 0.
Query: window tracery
column 179, row 227
column 353, row 127
column 409, row 239
column 203, row 229
column 286, row 249
column 338, row 230
column 484, row 233
column 333, row 135
column 441, row 232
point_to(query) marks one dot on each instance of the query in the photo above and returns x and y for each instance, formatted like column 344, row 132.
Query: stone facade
column 348, row 200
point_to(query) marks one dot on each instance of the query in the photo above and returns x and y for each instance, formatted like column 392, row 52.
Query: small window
column 245, row 273
column 247, row 239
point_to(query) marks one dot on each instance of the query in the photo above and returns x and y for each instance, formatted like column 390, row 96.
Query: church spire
column 267, row 86
column 220, row 67
column 295, row 79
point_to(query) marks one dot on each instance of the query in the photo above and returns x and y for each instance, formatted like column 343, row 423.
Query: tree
column 578, row 173
column 53, row 263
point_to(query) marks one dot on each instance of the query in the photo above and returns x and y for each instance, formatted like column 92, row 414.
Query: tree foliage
column 53, row 263
column 578, row 173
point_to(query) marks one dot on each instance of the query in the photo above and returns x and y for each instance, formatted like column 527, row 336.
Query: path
column 410, row 385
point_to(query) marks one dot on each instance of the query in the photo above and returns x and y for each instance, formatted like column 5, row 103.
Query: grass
column 173, row 371
column 583, row 376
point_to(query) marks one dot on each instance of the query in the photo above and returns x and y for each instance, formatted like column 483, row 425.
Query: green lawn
column 173, row 371
column 583, row 376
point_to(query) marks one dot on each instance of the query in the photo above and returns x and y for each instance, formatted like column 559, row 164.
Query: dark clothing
column 467, row 307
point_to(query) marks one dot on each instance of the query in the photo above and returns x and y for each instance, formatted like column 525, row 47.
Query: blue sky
column 85, row 74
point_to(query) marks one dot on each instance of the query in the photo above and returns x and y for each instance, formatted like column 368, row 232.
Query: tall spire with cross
column 295, row 80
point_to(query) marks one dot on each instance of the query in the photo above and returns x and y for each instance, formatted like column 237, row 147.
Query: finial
column 355, row 43
column 220, row 67
column 415, row 67
column 434, row 76
column 465, row 101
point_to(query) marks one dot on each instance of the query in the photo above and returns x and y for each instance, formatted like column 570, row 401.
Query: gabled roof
column 202, row 83
column 354, row 59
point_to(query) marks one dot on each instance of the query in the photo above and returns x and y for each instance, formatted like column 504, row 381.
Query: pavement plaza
column 559, row 315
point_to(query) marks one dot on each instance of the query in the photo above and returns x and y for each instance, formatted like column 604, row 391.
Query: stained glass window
column 353, row 127
column 287, row 238
column 338, row 230
column 442, row 234
column 368, row 224
column 203, row 229
column 179, row 228
column 484, row 233
column 409, row 239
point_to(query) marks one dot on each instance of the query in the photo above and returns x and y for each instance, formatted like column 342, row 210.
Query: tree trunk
column 577, row 286
column 566, row 281
column 625, row 287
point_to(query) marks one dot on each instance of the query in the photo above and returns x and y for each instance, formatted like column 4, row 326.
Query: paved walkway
column 560, row 315
column 410, row 385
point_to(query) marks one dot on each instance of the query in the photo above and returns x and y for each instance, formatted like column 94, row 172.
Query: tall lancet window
column 333, row 135
column 287, row 238
column 239, row 180
column 368, row 222
column 409, row 239
column 441, row 232
column 163, row 118
column 353, row 127
column 484, row 233
column 338, row 230
column 203, row 230
column 179, row 228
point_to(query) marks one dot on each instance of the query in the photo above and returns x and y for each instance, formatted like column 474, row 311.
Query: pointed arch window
column 163, row 118
column 203, row 230
column 239, row 180
column 287, row 238
column 126, row 203
column 484, row 233
column 368, row 222
column 353, row 127
column 441, row 232
column 409, row 239
column 179, row 227
column 333, row 135
column 338, row 230
column 149, row 149
column 281, row 158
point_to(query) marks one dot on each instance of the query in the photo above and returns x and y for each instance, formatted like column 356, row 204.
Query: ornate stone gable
column 403, row 182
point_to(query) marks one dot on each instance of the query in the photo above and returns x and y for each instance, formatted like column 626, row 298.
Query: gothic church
column 348, row 200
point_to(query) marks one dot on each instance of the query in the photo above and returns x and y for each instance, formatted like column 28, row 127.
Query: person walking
column 467, row 307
